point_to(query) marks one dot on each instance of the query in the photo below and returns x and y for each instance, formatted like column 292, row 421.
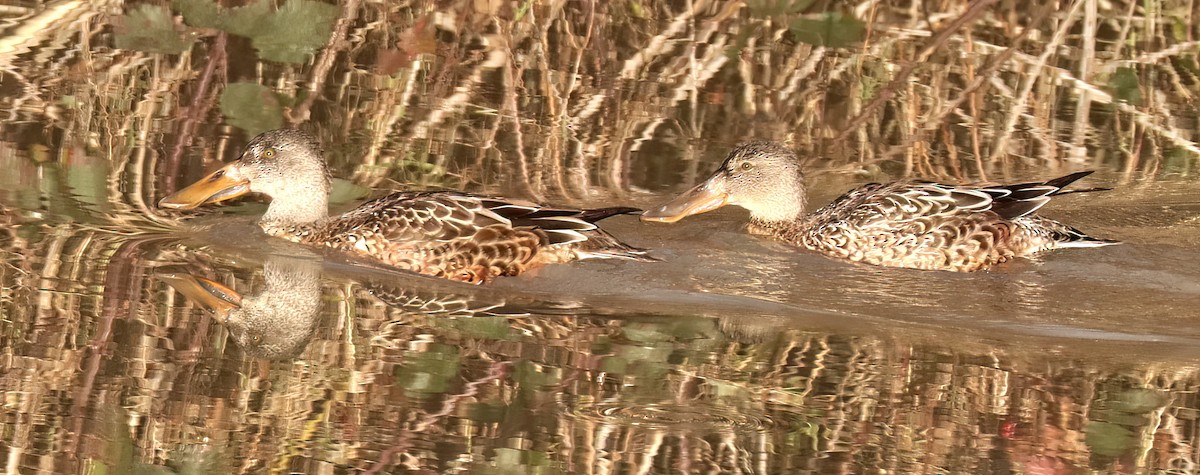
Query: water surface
column 735, row 354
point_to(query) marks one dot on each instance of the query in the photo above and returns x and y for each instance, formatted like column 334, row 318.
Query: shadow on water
column 135, row 340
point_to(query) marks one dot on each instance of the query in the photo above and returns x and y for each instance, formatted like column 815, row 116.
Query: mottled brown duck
column 447, row 234
column 919, row 225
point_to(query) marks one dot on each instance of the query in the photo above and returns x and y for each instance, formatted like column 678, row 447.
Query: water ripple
column 672, row 415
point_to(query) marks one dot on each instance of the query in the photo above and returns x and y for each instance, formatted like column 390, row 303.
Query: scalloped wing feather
column 466, row 237
column 936, row 226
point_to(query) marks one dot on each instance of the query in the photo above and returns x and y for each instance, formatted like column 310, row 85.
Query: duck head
column 285, row 165
column 762, row 177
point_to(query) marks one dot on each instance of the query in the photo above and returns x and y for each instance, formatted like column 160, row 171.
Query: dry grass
column 575, row 101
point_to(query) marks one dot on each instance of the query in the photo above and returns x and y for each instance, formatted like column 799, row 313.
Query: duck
column 909, row 224
column 448, row 234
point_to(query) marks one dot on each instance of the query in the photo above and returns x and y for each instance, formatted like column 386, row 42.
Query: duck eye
column 269, row 153
column 747, row 165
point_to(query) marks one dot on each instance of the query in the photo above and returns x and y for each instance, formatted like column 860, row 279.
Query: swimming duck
column 448, row 234
column 919, row 225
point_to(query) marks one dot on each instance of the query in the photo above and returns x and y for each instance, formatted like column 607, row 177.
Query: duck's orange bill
column 212, row 295
column 702, row 198
column 224, row 184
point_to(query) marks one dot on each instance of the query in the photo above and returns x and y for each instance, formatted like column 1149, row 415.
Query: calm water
column 734, row 355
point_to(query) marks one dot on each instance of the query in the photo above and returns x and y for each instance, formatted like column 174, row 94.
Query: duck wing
column 1022, row 199
column 445, row 216
column 562, row 225
column 416, row 217
column 902, row 202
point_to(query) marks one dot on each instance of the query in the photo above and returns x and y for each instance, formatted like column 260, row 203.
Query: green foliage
column 532, row 376
column 295, row 31
column 151, row 29
column 1124, row 86
column 834, row 30
column 430, row 371
column 770, row 8
column 522, row 10
column 199, row 13
column 242, row 21
column 290, row 34
column 516, row 461
column 88, row 182
column 637, row 10
column 806, row 434
column 1116, row 419
column 831, row 29
column 488, row 413
column 1137, row 400
column 1178, row 160
column 251, row 107
column 492, row 328
column 1106, row 438
column 345, row 191
column 646, row 334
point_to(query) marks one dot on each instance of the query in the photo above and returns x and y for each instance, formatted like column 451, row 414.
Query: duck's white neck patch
column 302, row 199
column 784, row 202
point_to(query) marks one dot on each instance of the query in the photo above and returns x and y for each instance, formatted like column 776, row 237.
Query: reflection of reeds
column 97, row 333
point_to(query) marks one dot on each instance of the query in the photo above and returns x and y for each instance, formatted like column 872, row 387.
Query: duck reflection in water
column 277, row 322
column 274, row 324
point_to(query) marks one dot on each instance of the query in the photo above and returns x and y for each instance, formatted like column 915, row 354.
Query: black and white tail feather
column 565, row 226
column 1019, row 201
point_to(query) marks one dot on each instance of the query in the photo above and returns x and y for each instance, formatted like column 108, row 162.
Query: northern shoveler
column 448, row 234
column 918, row 225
